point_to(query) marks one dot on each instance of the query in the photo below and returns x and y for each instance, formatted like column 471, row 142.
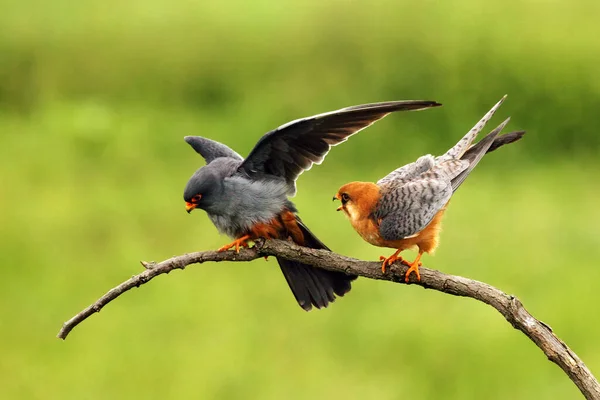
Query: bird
column 248, row 198
column 404, row 209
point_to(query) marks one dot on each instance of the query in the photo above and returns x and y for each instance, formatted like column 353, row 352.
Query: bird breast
column 244, row 203
column 368, row 230
column 363, row 223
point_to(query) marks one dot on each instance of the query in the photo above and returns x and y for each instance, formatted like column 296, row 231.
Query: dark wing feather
column 293, row 148
column 209, row 149
column 500, row 141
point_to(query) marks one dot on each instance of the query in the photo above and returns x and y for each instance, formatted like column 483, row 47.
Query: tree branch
column 509, row 306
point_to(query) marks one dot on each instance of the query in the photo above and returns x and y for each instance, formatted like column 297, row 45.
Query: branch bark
column 509, row 306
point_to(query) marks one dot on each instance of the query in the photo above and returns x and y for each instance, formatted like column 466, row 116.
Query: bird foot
column 413, row 267
column 237, row 243
column 390, row 260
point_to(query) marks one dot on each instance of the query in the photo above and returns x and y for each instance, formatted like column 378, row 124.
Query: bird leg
column 390, row 260
column 240, row 242
column 413, row 266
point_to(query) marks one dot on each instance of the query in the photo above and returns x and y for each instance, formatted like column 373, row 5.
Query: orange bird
column 404, row 209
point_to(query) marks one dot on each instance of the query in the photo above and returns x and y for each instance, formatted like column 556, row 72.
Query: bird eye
column 345, row 198
column 196, row 198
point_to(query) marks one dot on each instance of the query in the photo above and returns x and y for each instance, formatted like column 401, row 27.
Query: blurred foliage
column 95, row 98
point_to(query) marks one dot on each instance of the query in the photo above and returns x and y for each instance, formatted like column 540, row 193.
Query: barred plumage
column 404, row 209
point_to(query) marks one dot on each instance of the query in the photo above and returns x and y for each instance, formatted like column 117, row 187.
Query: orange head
column 359, row 199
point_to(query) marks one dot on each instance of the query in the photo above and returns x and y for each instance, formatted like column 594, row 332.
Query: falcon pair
column 248, row 198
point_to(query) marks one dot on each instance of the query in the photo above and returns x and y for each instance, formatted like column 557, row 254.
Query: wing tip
column 503, row 124
column 505, row 139
column 418, row 104
column 499, row 103
column 190, row 139
column 428, row 104
column 518, row 135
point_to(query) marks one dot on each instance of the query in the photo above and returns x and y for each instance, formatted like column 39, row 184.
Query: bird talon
column 237, row 243
column 389, row 260
column 413, row 267
column 240, row 244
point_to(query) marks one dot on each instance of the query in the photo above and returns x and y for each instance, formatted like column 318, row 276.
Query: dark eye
column 196, row 198
column 345, row 198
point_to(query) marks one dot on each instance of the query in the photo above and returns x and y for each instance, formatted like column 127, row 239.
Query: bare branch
column 509, row 306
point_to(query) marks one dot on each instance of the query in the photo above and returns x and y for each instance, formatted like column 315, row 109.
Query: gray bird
column 247, row 198
column 404, row 209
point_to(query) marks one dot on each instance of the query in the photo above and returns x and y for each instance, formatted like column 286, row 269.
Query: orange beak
column 337, row 197
column 189, row 207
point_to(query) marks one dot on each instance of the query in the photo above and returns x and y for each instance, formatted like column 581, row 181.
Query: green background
column 95, row 98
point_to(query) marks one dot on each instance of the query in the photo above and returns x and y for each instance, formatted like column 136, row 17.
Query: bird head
column 202, row 190
column 358, row 199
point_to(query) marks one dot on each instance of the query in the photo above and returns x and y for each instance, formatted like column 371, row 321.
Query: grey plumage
column 413, row 194
column 211, row 150
column 475, row 157
column 407, row 208
column 245, row 203
column 409, row 171
column 463, row 144
column 240, row 193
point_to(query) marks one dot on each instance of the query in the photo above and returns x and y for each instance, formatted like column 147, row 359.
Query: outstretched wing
column 209, row 149
column 293, row 148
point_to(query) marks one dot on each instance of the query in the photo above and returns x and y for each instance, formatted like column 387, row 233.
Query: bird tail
column 313, row 286
column 463, row 144
column 489, row 143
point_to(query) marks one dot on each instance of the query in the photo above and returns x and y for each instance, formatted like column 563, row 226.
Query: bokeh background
column 95, row 98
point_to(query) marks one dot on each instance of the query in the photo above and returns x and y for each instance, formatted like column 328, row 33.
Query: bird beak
column 337, row 197
column 189, row 207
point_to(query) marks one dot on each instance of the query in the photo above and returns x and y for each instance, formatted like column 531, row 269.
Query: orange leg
column 390, row 260
column 413, row 266
column 241, row 242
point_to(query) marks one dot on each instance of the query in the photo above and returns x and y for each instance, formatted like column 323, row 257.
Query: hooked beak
column 337, row 197
column 189, row 207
